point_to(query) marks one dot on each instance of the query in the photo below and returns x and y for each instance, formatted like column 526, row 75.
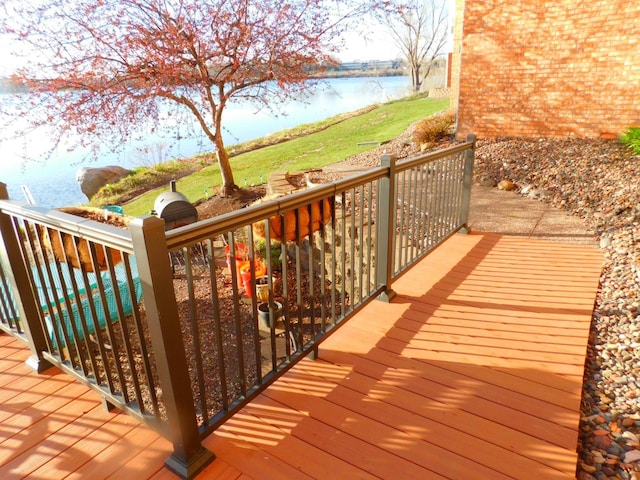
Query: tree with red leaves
column 102, row 70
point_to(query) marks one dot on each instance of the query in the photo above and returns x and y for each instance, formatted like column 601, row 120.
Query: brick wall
column 457, row 53
column 547, row 67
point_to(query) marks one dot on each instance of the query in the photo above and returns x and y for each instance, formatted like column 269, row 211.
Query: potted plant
column 260, row 269
column 262, row 288
column 241, row 259
column 275, row 250
column 264, row 314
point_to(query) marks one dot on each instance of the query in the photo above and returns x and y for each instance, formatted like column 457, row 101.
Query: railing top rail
column 119, row 238
column 108, row 235
column 432, row 156
column 233, row 220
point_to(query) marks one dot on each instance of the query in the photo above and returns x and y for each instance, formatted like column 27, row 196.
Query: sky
column 377, row 46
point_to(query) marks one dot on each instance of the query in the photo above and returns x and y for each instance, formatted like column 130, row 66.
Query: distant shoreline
column 343, row 70
column 360, row 73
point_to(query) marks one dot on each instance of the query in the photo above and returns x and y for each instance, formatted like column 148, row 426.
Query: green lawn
column 315, row 150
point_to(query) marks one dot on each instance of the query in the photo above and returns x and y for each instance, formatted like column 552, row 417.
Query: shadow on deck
column 473, row 371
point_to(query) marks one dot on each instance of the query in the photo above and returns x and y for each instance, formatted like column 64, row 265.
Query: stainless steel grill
column 174, row 208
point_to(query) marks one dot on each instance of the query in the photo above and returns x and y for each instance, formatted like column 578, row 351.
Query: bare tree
column 420, row 30
column 102, row 70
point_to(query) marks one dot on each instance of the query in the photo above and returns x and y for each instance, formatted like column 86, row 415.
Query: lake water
column 53, row 183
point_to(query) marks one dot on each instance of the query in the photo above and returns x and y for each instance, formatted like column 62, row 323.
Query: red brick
column 534, row 68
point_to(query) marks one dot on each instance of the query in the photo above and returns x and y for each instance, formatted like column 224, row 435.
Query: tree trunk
column 415, row 78
column 228, row 184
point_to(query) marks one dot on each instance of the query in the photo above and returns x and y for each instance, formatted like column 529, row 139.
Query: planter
column 264, row 315
column 76, row 250
column 297, row 223
column 245, row 275
column 262, row 288
column 241, row 259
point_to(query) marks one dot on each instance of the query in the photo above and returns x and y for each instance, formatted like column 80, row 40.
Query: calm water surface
column 53, row 183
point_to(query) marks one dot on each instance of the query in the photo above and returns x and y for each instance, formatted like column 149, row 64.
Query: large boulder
column 93, row 179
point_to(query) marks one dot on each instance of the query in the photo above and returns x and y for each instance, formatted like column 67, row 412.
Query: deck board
column 474, row 370
column 402, row 409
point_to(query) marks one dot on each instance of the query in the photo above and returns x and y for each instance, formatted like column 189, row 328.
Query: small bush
column 276, row 253
column 632, row 139
column 434, row 128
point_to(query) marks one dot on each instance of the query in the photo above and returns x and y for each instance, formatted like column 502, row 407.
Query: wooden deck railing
column 175, row 328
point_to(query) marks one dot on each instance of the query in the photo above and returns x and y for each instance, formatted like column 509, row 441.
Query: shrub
column 276, row 253
column 432, row 129
column 632, row 139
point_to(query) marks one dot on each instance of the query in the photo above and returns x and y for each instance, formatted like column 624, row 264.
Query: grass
column 330, row 143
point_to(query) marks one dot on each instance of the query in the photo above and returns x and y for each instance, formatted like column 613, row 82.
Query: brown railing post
column 386, row 213
column 467, row 182
column 152, row 256
column 25, row 297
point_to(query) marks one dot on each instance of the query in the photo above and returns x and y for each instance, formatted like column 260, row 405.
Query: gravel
column 599, row 181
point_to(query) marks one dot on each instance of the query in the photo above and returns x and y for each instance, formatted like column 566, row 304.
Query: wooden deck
column 474, row 371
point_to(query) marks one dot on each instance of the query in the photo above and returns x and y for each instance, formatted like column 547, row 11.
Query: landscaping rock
column 599, row 181
column 506, row 185
column 91, row 180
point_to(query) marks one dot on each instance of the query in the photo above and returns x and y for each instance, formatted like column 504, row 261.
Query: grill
column 174, row 208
